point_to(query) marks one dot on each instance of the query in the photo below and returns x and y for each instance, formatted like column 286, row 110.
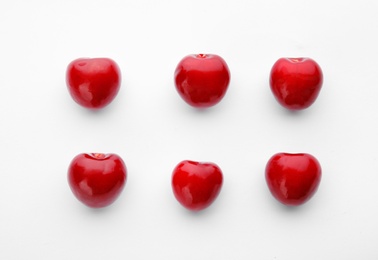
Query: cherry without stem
column 196, row 184
column 93, row 83
column 293, row 178
column 202, row 79
column 97, row 179
column 296, row 82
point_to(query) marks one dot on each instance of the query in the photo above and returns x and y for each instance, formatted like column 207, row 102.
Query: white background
column 152, row 129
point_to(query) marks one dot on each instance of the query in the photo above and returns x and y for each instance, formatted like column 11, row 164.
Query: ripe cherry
column 93, row 83
column 97, row 179
column 293, row 178
column 196, row 185
column 296, row 82
column 202, row 79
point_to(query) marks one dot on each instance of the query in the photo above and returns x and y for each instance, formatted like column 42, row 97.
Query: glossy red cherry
column 202, row 79
column 97, row 179
column 296, row 82
column 196, row 185
column 293, row 178
column 93, row 83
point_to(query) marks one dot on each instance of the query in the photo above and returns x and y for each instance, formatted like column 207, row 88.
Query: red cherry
column 296, row 82
column 202, row 80
column 97, row 179
column 293, row 178
column 93, row 83
column 196, row 185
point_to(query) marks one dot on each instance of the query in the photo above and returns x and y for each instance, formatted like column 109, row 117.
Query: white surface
column 148, row 124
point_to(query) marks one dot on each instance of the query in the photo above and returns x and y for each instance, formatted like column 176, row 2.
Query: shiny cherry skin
column 202, row 79
column 97, row 179
column 296, row 82
column 93, row 83
column 293, row 178
column 196, row 184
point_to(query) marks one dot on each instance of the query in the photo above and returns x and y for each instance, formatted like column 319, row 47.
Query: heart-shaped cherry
column 296, row 82
column 93, row 83
column 97, row 179
column 293, row 178
column 196, row 184
column 202, row 79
